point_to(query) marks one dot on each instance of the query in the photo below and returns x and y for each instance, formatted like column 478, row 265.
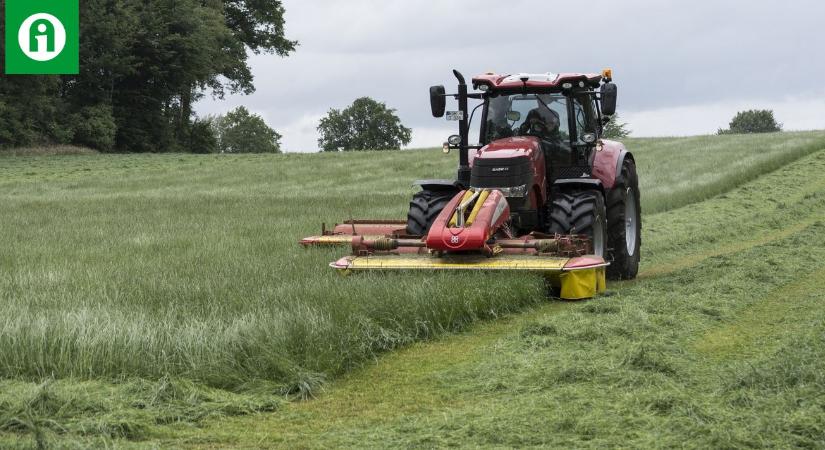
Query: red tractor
column 541, row 191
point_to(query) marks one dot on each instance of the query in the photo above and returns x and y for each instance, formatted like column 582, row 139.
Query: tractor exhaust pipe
column 463, row 176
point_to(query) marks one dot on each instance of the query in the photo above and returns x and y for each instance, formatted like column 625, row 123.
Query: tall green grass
column 147, row 266
column 675, row 172
column 156, row 265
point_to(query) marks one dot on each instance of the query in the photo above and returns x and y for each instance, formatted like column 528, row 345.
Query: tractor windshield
column 540, row 115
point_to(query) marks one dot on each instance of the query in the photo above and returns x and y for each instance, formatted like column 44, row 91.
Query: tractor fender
column 438, row 185
column 607, row 162
column 586, row 183
column 625, row 155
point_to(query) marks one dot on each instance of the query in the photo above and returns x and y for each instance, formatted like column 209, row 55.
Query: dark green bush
column 94, row 126
column 614, row 129
column 753, row 121
column 240, row 131
column 202, row 137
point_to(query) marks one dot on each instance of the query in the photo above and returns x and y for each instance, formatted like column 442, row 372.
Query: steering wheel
column 533, row 127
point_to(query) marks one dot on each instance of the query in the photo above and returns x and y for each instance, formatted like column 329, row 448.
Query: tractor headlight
column 515, row 191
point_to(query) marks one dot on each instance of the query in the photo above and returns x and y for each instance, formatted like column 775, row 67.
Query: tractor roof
column 534, row 80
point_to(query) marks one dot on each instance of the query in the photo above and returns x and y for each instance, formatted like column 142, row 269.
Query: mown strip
column 755, row 331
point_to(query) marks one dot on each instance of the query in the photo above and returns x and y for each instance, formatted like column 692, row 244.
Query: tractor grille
column 571, row 172
column 501, row 172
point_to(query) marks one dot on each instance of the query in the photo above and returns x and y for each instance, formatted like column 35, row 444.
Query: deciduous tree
column 615, row 129
column 143, row 63
column 753, row 121
column 240, row 131
column 365, row 125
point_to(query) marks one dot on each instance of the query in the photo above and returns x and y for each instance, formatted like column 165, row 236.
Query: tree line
column 367, row 124
column 143, row 64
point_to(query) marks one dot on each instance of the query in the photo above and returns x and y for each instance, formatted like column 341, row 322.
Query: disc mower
column 541, row 192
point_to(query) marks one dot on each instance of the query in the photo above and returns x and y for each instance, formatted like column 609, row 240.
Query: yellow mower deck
column 578, row 278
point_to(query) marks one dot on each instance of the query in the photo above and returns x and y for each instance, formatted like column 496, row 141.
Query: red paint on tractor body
column 606, row 162
column 511, row 147
column 493, row 214
column 505, row 82
column 519, row 147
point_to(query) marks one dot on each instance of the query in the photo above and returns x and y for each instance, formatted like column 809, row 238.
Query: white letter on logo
column 41, row 51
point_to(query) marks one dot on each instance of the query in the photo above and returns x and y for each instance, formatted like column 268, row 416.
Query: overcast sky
column 682, row 67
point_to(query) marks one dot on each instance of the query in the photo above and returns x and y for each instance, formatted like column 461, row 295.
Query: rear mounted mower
column 541, row 192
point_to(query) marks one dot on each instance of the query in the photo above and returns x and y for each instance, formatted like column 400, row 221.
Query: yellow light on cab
column 607, row 73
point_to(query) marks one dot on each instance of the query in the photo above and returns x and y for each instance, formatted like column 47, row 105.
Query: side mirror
column 513, row 116
column 609, row 93
column 438, row 101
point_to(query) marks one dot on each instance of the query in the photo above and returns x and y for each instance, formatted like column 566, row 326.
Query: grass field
column 148, row 292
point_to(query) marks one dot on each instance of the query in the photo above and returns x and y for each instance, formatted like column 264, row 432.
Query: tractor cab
column 536, row 130
column 565, row 112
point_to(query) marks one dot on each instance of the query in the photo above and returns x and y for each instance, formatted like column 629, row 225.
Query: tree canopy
column 143, row 63
column 753, row 121
column 365, row 125
column 615, row 129
column 240, row 131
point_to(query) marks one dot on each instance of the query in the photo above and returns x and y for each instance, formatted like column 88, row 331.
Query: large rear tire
column 624, row 225
column 579, row 213
column 425, row 207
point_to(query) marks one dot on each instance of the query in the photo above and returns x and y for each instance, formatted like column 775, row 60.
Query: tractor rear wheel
column 425, row 207
column 624, row 225
column 580, row 212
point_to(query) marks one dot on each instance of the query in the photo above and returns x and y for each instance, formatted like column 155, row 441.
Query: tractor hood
column 512, row 147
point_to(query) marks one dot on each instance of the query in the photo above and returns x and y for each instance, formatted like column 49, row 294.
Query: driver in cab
column 543, row 123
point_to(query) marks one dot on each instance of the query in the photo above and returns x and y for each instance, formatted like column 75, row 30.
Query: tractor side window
column 558, row 103
column 585, row 117
column 475, row 122
column 498, row 125
column 581, row 119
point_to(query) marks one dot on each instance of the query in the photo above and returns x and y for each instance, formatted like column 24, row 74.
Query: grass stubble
column 125, row 276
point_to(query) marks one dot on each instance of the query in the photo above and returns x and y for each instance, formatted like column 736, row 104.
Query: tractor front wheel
column 579, row 213
column 425, row 207
column 624, row 222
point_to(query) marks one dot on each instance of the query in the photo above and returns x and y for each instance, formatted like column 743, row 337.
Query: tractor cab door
column 557, row 149
column 586, row 122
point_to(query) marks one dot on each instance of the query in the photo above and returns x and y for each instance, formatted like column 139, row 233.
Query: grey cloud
column 665, row 54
